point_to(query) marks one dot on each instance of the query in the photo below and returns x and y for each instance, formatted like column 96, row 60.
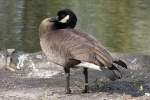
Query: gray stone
column 37, row 79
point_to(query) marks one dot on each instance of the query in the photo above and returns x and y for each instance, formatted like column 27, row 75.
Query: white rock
column 147, row 94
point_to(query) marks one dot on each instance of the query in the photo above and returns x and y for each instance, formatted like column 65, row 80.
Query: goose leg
column 67, row 72
column 85, row 72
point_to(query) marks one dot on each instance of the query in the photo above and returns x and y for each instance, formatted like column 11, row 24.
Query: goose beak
column 54, row 19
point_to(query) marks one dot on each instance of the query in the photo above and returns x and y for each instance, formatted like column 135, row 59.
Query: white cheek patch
column 65, row 19
column 89, row 65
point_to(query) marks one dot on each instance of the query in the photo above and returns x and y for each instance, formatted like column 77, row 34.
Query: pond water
column 121, row 25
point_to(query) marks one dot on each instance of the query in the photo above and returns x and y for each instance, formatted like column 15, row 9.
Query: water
column 121, row 25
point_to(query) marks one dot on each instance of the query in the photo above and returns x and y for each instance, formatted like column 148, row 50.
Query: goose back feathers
column 69, row 44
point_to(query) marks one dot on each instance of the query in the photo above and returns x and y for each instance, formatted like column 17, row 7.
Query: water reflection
column 122, row 26
column 11, row 23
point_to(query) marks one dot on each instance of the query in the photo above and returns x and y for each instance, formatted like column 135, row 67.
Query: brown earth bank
column 32, row 77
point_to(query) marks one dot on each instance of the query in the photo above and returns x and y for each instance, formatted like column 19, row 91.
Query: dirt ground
column 135, row 84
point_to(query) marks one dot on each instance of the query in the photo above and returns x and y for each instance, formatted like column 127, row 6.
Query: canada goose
column 68, row 47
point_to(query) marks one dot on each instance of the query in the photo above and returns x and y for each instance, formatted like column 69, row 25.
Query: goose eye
column 62, row 16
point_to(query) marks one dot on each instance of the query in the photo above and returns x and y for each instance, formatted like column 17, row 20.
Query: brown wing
column 82, row 48
column 93, row 41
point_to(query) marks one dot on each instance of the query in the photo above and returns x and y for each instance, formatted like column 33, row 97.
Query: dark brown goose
column 68, row 47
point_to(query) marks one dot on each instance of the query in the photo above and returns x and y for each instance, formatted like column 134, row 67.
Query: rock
column 35, row 78
column 147, row 94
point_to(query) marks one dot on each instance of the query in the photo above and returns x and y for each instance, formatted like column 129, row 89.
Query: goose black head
column 65, row 19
